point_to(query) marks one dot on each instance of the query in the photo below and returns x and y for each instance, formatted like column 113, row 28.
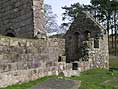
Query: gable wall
column 96, row 57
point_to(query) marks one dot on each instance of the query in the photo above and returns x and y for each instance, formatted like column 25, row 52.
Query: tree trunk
column 115, row 32
column 112, row 35
column 108, row 20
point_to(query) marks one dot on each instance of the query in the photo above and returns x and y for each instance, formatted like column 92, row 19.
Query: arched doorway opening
column 76, row 46
column 10, row 32
column 10, row 35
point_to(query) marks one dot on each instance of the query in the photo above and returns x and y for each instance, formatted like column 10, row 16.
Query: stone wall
column 38, row 18
column 99, row 57
column 16, row 17
column 96, row 58
column 21, row 18
column 93, row 57
column 86, row 43
column 22, row 60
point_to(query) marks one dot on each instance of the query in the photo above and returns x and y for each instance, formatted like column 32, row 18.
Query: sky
column 57, row 4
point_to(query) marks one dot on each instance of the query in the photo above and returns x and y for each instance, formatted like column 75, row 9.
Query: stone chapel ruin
column 85, row 45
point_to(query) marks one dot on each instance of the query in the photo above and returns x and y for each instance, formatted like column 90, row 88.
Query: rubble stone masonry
column 21, row 18
column 23, row 60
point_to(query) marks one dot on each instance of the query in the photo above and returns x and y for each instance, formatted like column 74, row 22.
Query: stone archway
column 10, row 32
column 10, row 35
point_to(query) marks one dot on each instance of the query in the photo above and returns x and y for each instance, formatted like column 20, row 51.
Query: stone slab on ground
column 57, row 84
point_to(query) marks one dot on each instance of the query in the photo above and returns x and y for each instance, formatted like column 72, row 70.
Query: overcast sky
column 57, row 4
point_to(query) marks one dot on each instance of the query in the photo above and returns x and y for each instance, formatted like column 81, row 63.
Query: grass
column 95, row 79
column 113, row 62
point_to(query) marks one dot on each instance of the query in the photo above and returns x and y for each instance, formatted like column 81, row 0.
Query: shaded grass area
column 113, row 62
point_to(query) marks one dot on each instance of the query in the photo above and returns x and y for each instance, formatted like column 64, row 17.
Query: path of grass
column 94, row 79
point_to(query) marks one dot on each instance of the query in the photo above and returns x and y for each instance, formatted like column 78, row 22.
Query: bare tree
column 50, row 19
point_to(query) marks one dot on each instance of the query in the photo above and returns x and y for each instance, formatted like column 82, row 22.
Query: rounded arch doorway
column 10, row 32
column 10, row 35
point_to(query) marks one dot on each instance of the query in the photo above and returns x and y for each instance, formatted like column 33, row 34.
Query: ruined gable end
column 87, row 43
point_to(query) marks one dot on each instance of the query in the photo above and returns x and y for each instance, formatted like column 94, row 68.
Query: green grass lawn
column 97, row 78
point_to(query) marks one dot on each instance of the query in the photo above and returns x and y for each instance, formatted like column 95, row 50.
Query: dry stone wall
column 22, row 60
